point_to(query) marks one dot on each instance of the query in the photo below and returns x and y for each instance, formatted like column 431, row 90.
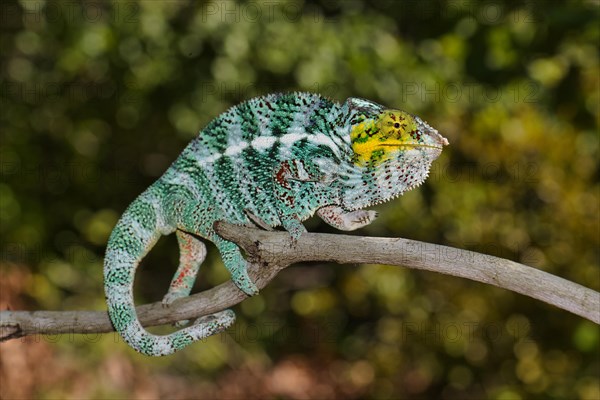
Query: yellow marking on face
column 376, row 140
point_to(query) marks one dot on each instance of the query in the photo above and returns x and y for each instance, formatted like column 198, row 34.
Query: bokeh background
column 98, row 98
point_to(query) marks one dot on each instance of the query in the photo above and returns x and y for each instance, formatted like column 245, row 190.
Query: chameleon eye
column 397, row 125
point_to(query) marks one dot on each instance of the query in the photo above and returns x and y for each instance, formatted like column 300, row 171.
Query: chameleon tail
column 132, row 238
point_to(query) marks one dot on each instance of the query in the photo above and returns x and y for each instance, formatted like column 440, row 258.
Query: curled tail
column 132, row 238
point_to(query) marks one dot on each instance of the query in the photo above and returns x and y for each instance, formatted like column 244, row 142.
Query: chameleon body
column 277, row 160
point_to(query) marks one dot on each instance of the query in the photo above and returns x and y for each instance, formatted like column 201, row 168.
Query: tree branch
column 272, row 251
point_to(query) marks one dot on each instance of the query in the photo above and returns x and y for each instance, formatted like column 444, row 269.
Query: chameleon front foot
column 294, row 227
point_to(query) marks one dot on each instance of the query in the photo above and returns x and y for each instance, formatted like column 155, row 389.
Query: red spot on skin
column 280, row 176
column 179, row 280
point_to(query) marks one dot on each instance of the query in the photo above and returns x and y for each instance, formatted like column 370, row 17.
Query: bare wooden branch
column 272, row 251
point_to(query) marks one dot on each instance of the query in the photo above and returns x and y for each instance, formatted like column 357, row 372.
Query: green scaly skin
column 278, row 158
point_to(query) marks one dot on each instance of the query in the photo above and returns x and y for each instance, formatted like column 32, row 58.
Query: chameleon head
column 392, row 149
column 391, row 134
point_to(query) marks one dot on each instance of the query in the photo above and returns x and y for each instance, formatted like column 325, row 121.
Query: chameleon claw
column 168, row 299
column 166, row 302
column 294, row 227
column 246, row 286
column 242, row 280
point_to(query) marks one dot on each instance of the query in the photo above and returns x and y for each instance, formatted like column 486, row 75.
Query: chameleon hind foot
column 192, row 253
column 236, row 265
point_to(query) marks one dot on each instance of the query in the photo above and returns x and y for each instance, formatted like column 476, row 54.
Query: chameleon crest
column 274, row 161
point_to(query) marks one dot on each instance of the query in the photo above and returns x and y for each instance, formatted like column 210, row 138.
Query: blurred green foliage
column 98, row 98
